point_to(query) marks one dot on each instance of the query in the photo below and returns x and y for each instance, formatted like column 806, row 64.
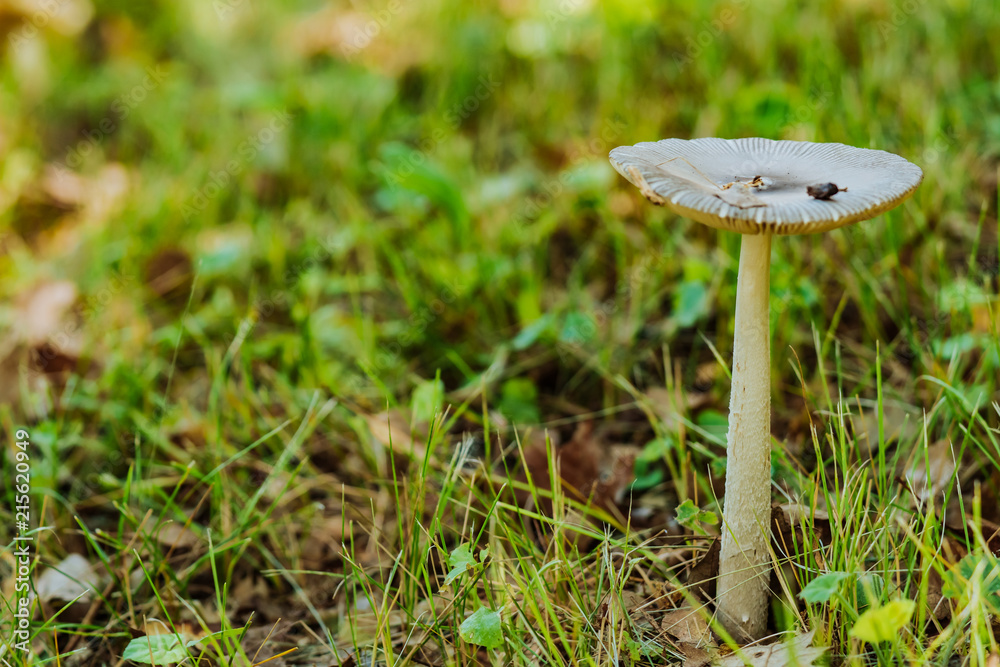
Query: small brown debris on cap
column 824, row 190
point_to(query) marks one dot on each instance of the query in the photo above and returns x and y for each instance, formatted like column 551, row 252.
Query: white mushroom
column 759, row 188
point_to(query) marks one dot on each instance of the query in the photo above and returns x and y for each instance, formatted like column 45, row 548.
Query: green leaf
column 163, row 649
column 482, row 628
column 647, row 479
column 427, row 400
column 689, row 515
column 655, row 450
column 169, row 648
column 647, row 474
column 642, row 648
column 698, row 269
column 958, row 582
column 714, row 422
column 882, row 624
column 423, row 177
column 809, row 293
column 519, row 401
column 690, row 302
column 532, row 332
column 578, row 328
column 823, row 587
column 460, row 559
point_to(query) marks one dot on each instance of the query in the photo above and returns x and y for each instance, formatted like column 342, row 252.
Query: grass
column 286, row 309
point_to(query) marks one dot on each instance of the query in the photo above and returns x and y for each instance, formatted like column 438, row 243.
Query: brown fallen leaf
column 42, row 310
column 169, row 274
column 393, row 428
column 176, row 535
column 321, row 545
column 590, row 470
column 45, row 342
column 378, row 39
column 900, row 422
column 789, row 516
column 250, row 593
column 153, row 627
column 67, row 17
column 665, row 405
column 74, row 577
column 703, row 575
column 929, row 474
column 695, row 656
column 937, row 604
column 687, row 626
column 65, row 187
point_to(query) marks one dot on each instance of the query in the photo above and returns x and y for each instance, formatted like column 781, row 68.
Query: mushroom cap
column 755, row 185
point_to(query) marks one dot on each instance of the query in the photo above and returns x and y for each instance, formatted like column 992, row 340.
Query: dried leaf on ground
column 795, row 516
column 74, row 577
column 937, row 606
column 42, row 310
column 899, row 422
column 393, row 428
column 694, row 656
column 67, row 17
column 378, row 39
column 590, row 469
column 701, row 580
column 930, row 473
column 665, row 403
column 687, row 625
column 94, row 202
column 46, row 340
column 176, row 535
column 169, row 274
column 251, row 593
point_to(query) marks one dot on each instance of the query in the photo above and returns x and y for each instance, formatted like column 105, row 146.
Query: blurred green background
column 273, row 198
column 357, row 198
column 215, row 214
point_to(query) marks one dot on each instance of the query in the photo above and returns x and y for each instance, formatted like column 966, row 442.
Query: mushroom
column 759, row 188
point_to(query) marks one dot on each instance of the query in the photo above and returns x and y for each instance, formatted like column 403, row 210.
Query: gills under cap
column 755, row 185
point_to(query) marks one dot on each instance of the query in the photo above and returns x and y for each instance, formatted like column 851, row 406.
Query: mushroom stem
column 744, row 561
